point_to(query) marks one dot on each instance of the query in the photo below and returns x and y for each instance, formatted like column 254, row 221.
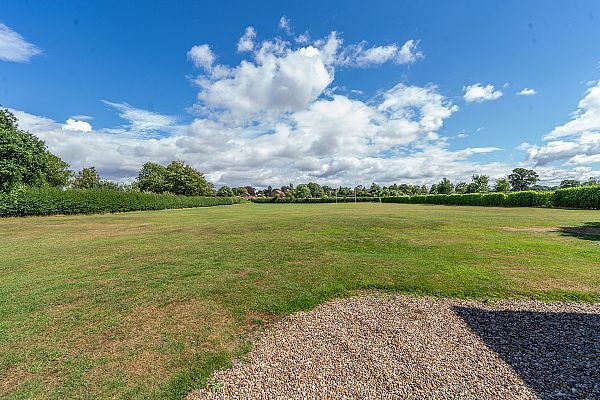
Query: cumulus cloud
column 477, row 93
column 201, row 56
column 577, row 142
column 526, row 92
column 13, row 47
column 586, row 118
column 77, row 125
column 246, row 42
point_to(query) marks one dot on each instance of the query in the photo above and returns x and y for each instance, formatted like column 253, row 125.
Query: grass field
column 146, row 304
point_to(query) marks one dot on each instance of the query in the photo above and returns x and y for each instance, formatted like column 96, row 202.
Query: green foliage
column 522, row 179
column 502, row 185
column 444, row 186
column 48, row 201
column 302, row 191
column 225, row 191
column 479, row 184
column 185, row 180
column 152, row 178
column 528, row 198
column 577, row 197
column 569, row 183
column 349, row 199
column 25, row 160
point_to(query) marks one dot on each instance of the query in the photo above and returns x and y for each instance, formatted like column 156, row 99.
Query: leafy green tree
column 433, row 189
column 591, row 182
column 567, row 183
column 315, row 189
column 152, row 178
column 240, row 191
column 461, row 188
column 445, row 186
column 225, row 191
column 502, row 185
column 479, row 184
column 522, row 179
column 302, row 191
column 87, row 178
column 25, row 160
column 185, row 180
column 375, row 190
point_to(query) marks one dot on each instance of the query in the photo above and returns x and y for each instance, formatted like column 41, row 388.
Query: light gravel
column 379, row 347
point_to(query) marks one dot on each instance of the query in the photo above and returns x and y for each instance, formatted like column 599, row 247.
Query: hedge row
column 515, row 199
column 314, row 200
column 578, row 197
column 50, row 201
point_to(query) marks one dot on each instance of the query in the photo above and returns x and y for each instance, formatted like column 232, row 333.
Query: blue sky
column 339, row 93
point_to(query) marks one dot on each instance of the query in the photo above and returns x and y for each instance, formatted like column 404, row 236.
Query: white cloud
column 76, row 125
column 201, row 56
column 285, row 24
column 359, row 55
column 13, row 47
column 303, row 38
column 586, row 118
column 527, row 92
column 478, row 93
column 246, row 42
column 142, row 122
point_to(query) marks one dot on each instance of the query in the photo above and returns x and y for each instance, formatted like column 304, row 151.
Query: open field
column 147, row 304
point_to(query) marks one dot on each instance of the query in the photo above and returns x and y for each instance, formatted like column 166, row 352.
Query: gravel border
column 381, row 346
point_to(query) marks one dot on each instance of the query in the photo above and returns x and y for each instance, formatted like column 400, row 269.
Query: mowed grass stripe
column 147, row 304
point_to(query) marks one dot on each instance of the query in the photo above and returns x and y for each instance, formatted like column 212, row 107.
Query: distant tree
column 445, row 186
column 423, row 190
column 345, row 191
column 87, row 178
column 250, row 190
column 502, row 185
column 522, row 179
column 479, row 184
column 591, row 182
column 185, row 180
column 567, row 183
column 302, row 191
column 315, row 189
column 152, row 178
column 461, row 188
column 225, row 191
column 240, row 191
column 433, row 189
column 375, row 190
column 25, row 160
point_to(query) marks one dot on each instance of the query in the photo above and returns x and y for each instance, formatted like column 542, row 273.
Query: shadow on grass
column 556, row 354
column 588, row 231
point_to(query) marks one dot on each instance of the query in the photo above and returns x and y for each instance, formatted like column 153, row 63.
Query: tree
column 302, row 191
column 479, row 184
column 25, row 160
column 502, row 185
column 591, row 182
column 315, row 189
column 225, row 191
column 152, row 178
column 87, row 178
column 185, row 180
column 461, row 188
column 445, row 186
column 250, row 190
column 433, row 189
column 567, row 183
column 522, row 179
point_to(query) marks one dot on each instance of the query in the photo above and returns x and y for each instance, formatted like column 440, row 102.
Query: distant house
column 277, row 193
column 248, row 196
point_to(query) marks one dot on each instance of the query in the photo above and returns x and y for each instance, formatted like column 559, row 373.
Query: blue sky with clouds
column 339, row 93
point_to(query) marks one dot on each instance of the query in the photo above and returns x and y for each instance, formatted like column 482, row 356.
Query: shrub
column 577, row 197
column 48, row 201
column 528, row 198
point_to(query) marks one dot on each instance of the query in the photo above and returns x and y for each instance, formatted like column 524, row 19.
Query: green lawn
column 147, row 304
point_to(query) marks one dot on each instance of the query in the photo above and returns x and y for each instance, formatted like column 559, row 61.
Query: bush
column 48, row 201
column 577, row 197
column 528, row 198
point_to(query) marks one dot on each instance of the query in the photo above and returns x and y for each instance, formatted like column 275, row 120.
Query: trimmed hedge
column 49, row 201
column 314, row 200
column 577, row 197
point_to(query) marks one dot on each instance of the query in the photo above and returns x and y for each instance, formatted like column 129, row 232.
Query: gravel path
column 374, row 347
